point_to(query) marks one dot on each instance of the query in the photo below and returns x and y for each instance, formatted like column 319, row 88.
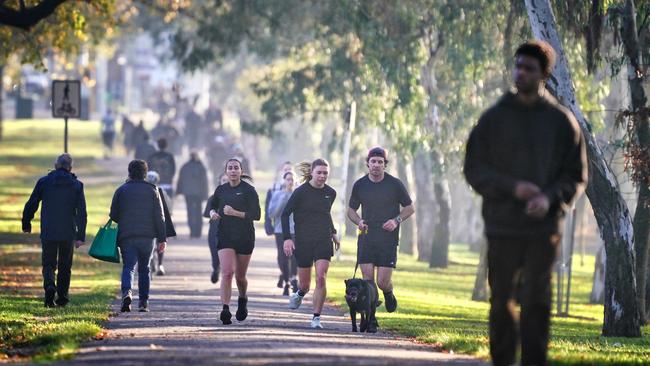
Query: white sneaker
column 315, row 323
column 295, row 300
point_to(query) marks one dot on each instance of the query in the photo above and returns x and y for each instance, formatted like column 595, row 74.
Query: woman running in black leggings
column 236, row 205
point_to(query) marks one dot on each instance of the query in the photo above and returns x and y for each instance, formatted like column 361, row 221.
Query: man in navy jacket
column 63, row 224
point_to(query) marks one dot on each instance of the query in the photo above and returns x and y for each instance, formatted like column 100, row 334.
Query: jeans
column 533, row 259
column 194, row 218
column 136, row 252
column 57, row 255
column 212, row 243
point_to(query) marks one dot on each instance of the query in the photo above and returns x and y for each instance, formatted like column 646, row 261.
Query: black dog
column 362, row 297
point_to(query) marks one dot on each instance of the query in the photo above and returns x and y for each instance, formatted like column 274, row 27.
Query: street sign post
column 66, row 103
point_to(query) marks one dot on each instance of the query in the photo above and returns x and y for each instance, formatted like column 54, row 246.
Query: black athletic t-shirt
column 311, row 213
column 379, row 203
column 242, row 198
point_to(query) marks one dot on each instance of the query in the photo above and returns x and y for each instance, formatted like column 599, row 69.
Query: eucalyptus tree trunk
column 598, row 287
column 480, row 292
column 621, row 314
column 439, row 257
column 407, row 228
column 641, row 120
column 441, row 233
column 424, row 204
column 2, row 67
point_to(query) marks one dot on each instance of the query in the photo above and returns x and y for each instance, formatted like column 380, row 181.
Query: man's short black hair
column 540, row 50
column 138, row 169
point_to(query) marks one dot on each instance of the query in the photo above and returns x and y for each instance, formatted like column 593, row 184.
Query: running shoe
column 286, row 290
column 280, row 282
column 126, row 304
column 295, row 300
column 315, row 323
column 242, row 311
column 143, row 306
column 161, row 270
column 391, row 301
column 226, row 316
column 214, row 278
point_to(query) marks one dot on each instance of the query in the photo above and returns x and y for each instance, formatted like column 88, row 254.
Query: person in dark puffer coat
column 63, row 224
column 138, row 211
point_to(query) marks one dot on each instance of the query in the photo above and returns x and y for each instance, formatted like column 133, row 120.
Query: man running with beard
column 311, row 205
column 380, row 196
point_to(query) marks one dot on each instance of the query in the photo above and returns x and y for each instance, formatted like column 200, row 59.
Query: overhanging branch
column 27, row 17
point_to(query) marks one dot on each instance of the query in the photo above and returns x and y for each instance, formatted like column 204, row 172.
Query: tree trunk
column 642, row 131
column 424, row 205
column 598, row 288
column 507, row 44
column 353, row 172
column 647, row 294
column 2, row 67
column 641, row 244
column 480, row 292
column 407, row 228
column 612, row 214
column 440, row 250
column 439, row 256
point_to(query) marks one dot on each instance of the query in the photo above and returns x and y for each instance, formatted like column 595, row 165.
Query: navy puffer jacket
column 138, row 211
column 63, row 213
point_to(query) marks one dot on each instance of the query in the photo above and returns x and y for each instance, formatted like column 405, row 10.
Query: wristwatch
column 399, row 219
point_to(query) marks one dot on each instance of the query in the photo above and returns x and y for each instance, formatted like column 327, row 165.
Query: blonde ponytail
column 305, row 168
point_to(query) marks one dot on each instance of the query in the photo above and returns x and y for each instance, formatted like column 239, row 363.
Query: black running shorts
column 240, row 247
column 379, row 253
column 307, row 252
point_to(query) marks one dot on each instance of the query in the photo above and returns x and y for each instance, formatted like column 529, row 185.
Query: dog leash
column 362, row 236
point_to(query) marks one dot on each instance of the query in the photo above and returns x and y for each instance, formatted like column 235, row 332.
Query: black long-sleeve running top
column 242, row 198
column 311, row 213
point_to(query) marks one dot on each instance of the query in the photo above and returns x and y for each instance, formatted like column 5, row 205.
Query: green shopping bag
column 104, row 246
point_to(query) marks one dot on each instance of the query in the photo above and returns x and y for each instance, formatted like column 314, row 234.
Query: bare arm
column 407, row 212
column 356, row 219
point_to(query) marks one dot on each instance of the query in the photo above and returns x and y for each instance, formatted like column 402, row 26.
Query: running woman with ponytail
column 311, row 205
column 236, row 205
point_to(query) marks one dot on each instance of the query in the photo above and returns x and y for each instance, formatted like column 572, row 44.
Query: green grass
column 435, row 307
column 27, row 329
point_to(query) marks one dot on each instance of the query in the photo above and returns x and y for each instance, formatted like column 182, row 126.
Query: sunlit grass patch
column 435, row 307
column 28, row 330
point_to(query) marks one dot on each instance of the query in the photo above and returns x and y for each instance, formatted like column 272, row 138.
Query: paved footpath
column 183, row 325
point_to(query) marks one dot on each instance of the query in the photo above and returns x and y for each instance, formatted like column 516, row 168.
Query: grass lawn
column 435, row 307
column 27, row 328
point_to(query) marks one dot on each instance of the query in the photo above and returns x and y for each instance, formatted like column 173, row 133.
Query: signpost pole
column 66, row 103
column 65, row 136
